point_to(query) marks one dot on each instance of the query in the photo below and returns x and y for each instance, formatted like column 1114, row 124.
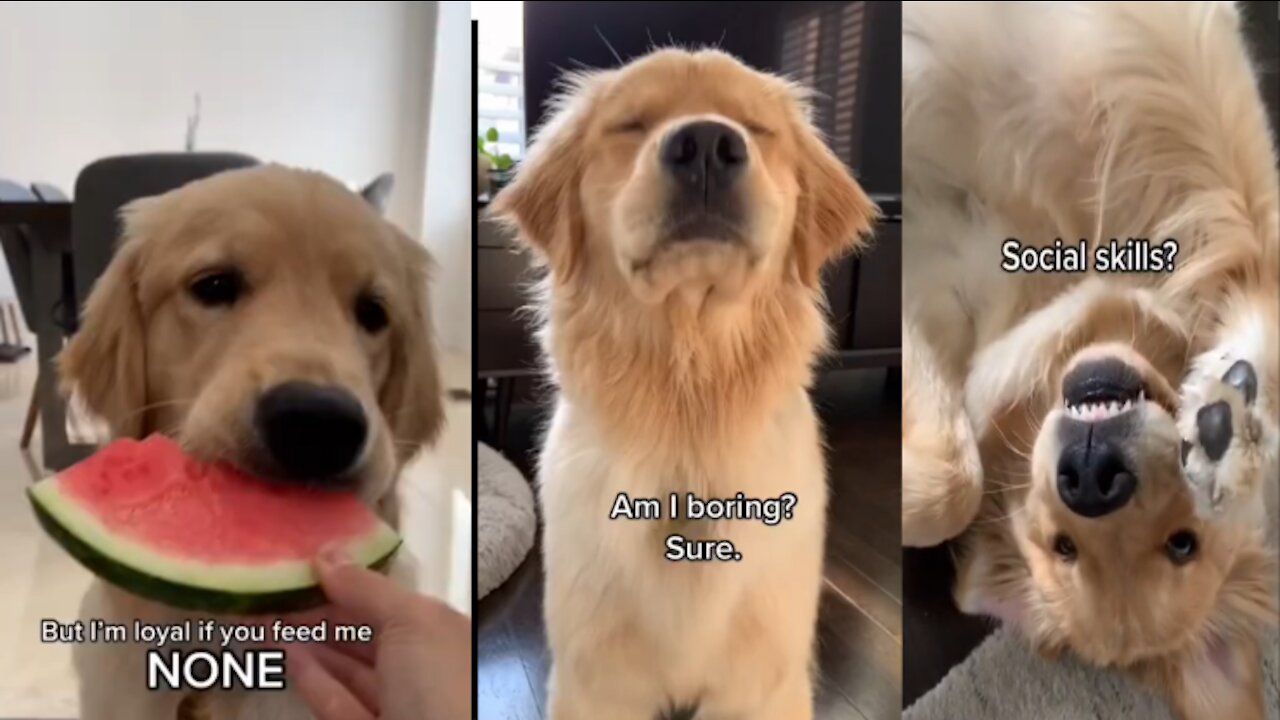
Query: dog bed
column 1005, row 680
column 506, row 519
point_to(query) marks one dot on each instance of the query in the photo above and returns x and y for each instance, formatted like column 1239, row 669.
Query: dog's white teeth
column 1100, row 410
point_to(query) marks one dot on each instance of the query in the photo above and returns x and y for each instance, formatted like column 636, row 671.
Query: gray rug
column 1005, row 680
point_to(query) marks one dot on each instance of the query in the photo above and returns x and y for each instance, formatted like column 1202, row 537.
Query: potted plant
column 495, row 167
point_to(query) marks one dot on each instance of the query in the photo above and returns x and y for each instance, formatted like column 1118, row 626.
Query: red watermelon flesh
column 202, row 536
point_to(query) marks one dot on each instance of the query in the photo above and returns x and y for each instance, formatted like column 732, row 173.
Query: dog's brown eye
column 1064, row 547
column 1181, row 547
column 219, row 288
column 370, row 313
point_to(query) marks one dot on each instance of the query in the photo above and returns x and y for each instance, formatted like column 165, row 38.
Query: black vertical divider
column 477, row 392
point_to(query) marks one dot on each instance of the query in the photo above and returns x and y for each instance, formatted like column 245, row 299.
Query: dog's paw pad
column 1213, row 425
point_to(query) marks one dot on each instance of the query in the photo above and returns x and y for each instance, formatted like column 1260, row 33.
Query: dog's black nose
column 704, row 155
column 311, row 431
column 1093, row 480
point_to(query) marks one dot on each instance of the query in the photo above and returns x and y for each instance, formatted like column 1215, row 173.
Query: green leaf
column 491, row 135
column 480, row 144
column 503, row 162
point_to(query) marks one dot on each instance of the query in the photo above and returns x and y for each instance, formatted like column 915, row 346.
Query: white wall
column 446, row 222
column 336, row 86
column 342, row 87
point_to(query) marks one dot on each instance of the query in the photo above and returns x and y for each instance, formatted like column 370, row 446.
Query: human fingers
column 324, row 694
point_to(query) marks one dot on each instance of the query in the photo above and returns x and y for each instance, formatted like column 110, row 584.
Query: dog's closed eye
column 629, row 125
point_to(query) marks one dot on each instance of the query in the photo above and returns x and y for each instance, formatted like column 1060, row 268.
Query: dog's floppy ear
column 542, row 203
column 833, row 214
column 1221, row 676
column 105, row 362
column 411, row 396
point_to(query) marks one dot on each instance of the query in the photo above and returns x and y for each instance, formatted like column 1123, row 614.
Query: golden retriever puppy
column 683, row 205
column 1116, row 436
column 270, row 318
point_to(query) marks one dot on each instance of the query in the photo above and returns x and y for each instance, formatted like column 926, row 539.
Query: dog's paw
column 1229, row 442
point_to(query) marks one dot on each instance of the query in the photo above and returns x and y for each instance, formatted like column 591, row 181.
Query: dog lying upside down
column 1106, row 448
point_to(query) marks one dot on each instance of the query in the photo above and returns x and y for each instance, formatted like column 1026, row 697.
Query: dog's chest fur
column 591, row 558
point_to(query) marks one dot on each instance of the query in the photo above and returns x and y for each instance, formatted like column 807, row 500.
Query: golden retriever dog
column 1108, row 440
column 270, row 318
column 683, row 206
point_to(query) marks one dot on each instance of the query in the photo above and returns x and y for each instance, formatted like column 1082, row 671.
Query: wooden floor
column 860, row 625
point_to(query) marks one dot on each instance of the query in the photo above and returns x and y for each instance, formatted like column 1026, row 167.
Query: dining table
column 45, row 217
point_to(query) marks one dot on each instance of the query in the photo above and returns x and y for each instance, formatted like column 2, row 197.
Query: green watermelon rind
column 240, row 589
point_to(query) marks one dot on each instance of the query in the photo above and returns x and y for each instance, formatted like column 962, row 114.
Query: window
column 500, row 80
column 823, row 50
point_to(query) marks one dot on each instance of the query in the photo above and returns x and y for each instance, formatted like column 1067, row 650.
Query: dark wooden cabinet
column 504, row 346
column 864, row 297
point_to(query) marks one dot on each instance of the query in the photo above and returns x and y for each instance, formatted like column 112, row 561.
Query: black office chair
column 107, row 185
column 102, row 189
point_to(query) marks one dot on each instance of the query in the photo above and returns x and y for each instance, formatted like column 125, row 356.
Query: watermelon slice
column 144, row 516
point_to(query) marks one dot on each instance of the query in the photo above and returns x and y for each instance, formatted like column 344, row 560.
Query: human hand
column 418, row 666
